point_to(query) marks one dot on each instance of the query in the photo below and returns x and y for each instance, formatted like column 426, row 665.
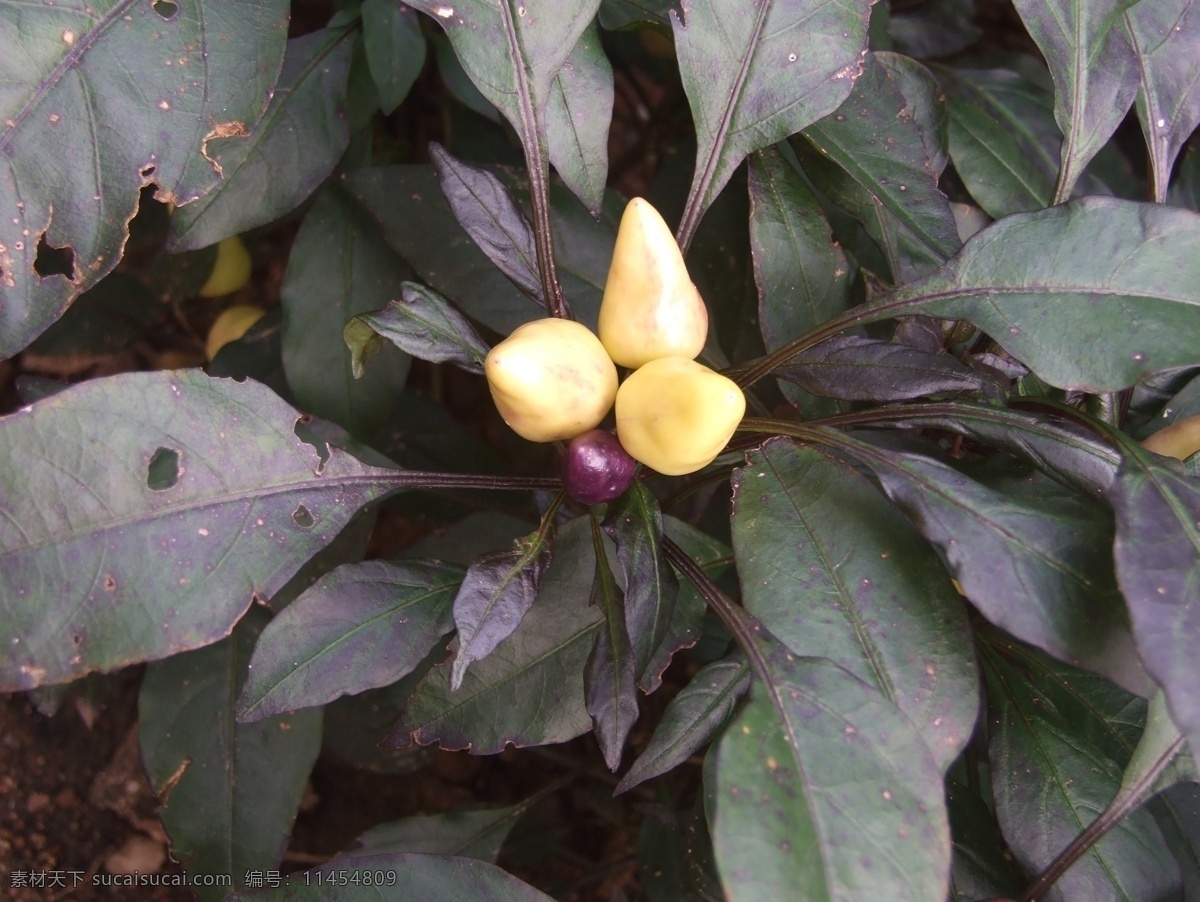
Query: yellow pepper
column 676, row 415
column 1179, row 440
column 551, row 379
column 231, row 325
column 650, row 308
column 231, row 269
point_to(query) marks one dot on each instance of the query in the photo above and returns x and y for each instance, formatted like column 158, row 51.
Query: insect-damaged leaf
column 166, row 501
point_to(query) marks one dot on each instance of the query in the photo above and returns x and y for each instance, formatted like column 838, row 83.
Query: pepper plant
column 925, row 628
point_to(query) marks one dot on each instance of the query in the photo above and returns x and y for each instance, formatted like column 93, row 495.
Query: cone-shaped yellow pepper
column 650, row 309
column 551, row 379
column 1179, row 440
column 231, row 269
column 231, row 325
column 676, row 415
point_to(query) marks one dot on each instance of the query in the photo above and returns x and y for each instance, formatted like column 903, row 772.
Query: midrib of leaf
column 849, row 604
column 695, row 201
column 70, row 61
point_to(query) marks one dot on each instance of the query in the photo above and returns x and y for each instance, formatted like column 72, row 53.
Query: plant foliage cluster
column 933, row 614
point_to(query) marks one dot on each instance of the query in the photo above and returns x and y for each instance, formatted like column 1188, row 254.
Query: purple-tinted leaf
column 395, row 49
column 360, row 627
column 852, row 368
column 529, row 691
column 229, row 791
column 756, row 73
column 90, row 82
column 634, row 523
column 692, row 719
column 422, row 323
column 470, row 834
column 166, row 501
column 1157, row 551
column 578, row 115
column 498, row 589
column 293, row 149
column 609, row 675
column 487, row 212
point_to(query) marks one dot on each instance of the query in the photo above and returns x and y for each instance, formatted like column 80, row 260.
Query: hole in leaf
column 54, row 261
column 77, row 640
column 303, row 517
column 165, row 8
column 148, row 171
column 163, row 471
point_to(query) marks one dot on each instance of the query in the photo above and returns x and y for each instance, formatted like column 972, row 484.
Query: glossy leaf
column 577, row 120
column 168, row 501
column 833, row 570
column 487, row 212
column 756, row 74
column 338, row 267
column 852, row 368
column 826, row 791
column 1157, row 552
column 395, row 49
column 289, row 154
column 800, row 271
column 692, row 719
column 634, row 523
column 360, row 627
column 1094, row 71
column 876, row 142
column 1091, row 295
column 358, row 879
column 497, row 591
column 609, row 678
column 471, row 834
column 997, row 171
column 529, row 691
column 421, row 323
column 1054, row 771
column 229, row 791
column 69, row 74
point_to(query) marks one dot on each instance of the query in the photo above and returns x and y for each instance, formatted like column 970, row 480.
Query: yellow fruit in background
column 551, row 379
column 676, row 415
column 230, row 271
column 231, row 325
column 1179, row 440
column 650, row 308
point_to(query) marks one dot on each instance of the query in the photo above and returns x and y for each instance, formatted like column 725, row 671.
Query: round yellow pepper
column 676, row 415
column 551, row 379
column 1179, row 440
column 650, row 308
column 231, row 269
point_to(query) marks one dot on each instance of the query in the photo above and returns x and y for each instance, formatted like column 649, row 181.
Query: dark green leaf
column 801, row 273
column 470, row 537
column 617, row 14
column 1029, row 554
column 924, row 102
column 99, row 101
column 361, row 627
column 692, row 719
column 997, row 171
column 577, row 119
column 876, row 141
column 826, row 791
column 113, row 571
column 852, row 368
column 395, row 49
column 487, row 212
column 1177, row 813
column 495, row 594
column 108, row 318
column 982, row 867
column 1091, row 295
column 338, row 266
column 1054, row 770
column 833, row 570
column 756, row 74
column 289, row 154
column 609, row 678
column 412, row 875
column 634, row 523
column 529, row 691
column 1095, row 74
column 1157, row 552
column 422, row 323
column 471, row 834
column 229, row 791
column 934, row 28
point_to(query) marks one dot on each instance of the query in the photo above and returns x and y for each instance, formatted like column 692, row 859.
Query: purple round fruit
column 596, row 468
